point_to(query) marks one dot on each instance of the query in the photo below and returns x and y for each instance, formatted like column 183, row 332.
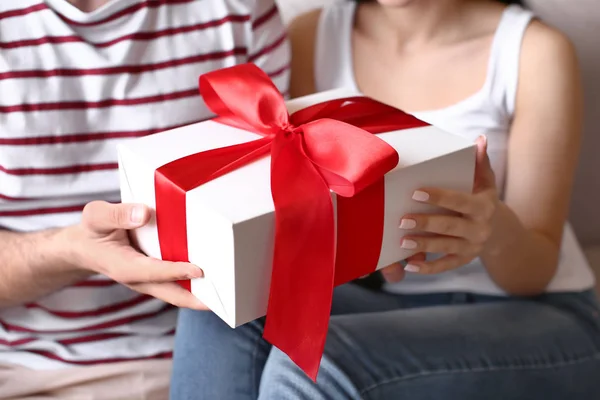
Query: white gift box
column 230, row 220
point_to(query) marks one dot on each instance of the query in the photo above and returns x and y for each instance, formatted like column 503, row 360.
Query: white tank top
column 489, row 112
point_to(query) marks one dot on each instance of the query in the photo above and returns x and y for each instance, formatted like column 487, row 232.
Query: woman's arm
column 521, row 249
column 518, row 239
column 522, row 254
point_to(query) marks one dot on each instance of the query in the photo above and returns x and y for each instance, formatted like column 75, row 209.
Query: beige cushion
column 290, row 8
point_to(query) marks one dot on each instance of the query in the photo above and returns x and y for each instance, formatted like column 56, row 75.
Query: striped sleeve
column 269, row 48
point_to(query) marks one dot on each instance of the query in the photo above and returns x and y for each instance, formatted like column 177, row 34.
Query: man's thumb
column 103, row 217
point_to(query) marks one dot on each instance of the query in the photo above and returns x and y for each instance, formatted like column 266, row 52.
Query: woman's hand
column 460, row 235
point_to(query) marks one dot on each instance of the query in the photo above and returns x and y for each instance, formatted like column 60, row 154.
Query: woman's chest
column 418, row 80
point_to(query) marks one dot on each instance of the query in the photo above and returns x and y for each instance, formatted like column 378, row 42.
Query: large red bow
column 328, row 146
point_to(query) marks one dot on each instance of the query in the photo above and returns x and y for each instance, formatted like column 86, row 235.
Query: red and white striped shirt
column 72, row 86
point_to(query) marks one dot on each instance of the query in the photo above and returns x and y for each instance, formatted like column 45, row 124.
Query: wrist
column 66, row 249
column 505, row 231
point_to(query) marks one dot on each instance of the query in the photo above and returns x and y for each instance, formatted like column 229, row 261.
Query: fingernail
column 196, row 273
column 409, row 244
column 412, row 268
column 137, row 214
column 419, row 195
column 408, row 224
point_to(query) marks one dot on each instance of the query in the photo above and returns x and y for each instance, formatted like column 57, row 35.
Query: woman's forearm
column 521, row 261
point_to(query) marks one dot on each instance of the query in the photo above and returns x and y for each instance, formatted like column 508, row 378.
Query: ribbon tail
column 302, row 277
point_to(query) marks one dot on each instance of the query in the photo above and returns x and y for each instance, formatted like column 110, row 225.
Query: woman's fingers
column 476, row 206
column 439, row 265
column 461, row 236
column 447, row 225
column 484, row 174
column 440, row 244
column 393, row 273
column 396, row 272
column 418, row 257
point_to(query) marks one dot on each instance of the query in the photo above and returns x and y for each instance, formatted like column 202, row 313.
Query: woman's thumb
column 484, row 175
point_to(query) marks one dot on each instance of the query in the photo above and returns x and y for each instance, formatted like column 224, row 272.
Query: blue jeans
column 384, row 346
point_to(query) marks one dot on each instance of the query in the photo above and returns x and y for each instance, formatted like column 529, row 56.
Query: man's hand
column 100, row 244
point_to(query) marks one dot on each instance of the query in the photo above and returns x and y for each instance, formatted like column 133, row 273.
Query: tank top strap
column 333, row 47
column 333, row 52
column 505, row 55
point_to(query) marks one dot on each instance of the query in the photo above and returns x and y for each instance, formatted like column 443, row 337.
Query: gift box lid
column 245, row 193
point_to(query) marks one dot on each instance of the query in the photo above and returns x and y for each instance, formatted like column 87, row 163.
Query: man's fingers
column 121, row 262
column 165, row 271
column 171, row 293
column 132, row 267
column 103, row 217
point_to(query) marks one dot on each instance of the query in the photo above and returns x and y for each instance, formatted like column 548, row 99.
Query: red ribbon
column 327, row 146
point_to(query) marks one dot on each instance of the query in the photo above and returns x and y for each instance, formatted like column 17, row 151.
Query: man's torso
column 72, row 87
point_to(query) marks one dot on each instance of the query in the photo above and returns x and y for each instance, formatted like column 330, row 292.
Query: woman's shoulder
column 543, row 42
column 540, row 41
column 548, row 61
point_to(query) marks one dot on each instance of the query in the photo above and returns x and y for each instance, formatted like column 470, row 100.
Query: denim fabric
column 384, row 346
